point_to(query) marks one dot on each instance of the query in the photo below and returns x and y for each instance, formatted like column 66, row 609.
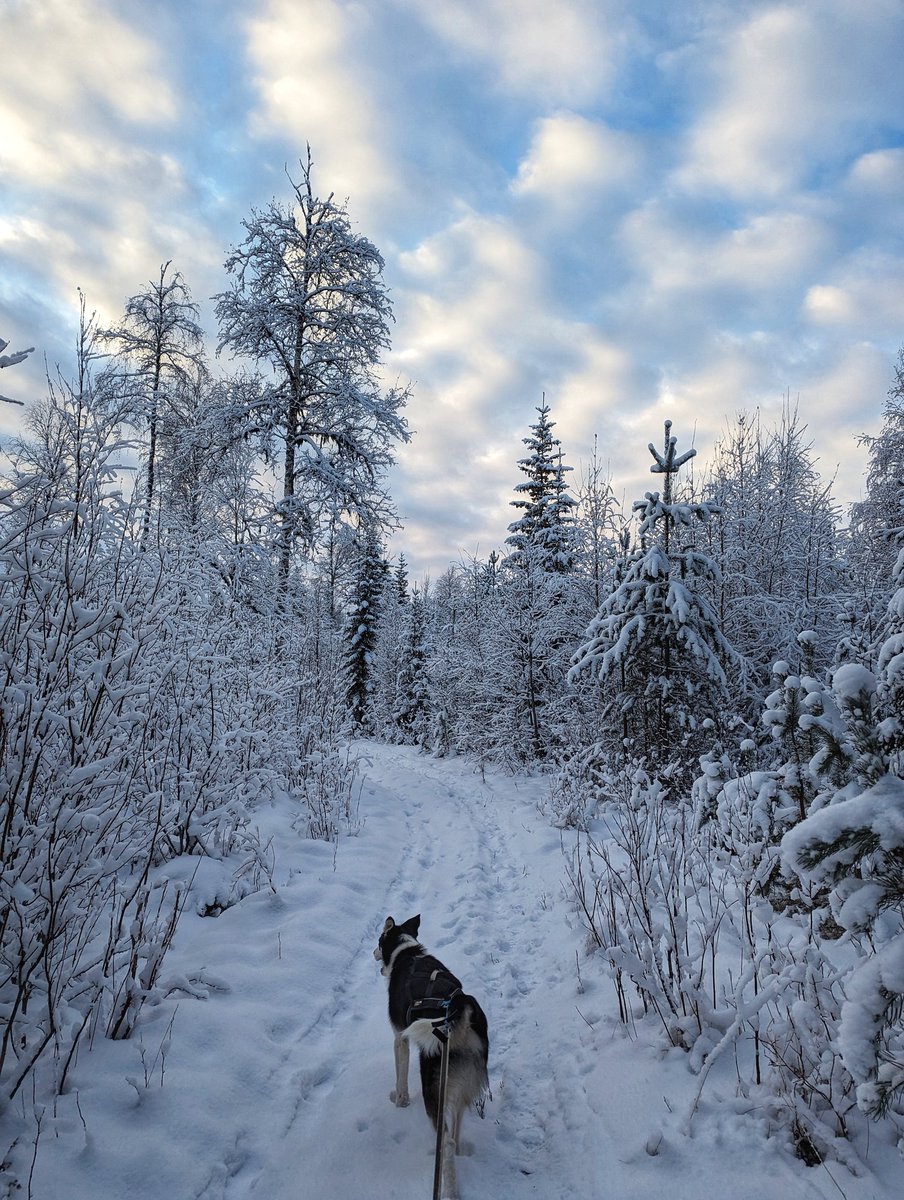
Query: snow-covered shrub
column 855, row 846
column 328, row 792
column 646, row 892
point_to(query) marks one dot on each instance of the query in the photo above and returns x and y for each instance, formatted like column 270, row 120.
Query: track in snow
column 483, row 868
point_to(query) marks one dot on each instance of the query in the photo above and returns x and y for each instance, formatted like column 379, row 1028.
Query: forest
column 711, row 683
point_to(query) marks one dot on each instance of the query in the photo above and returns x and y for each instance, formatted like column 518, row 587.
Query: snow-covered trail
column 277, row 1086
column 459, row 857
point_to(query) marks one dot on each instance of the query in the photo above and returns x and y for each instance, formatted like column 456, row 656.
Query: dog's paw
column 399, row 1099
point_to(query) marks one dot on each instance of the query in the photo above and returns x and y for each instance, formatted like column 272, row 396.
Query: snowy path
column 487, row 913
column 276, row 1087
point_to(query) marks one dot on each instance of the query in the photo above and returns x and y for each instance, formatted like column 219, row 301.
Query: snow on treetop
column 851, row 680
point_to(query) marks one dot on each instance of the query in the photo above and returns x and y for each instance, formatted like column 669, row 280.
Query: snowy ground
column 276, row 1086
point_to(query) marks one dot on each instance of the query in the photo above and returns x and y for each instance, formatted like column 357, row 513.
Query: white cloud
column 828, row 305
column 77, row 72
column 564, row 53
column 880, row 171
column 572, row 158
column 864, row 296
column 90, row 136
column 677, row 259
column 313, row 89
column 794, row 85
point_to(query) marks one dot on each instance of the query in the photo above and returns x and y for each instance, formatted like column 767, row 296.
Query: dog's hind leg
column 399, row 1096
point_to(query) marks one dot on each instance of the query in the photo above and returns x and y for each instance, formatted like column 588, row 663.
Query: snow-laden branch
column 12, row 360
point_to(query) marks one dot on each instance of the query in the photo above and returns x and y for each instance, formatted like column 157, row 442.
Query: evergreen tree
column 655, row 647
column 412, row 711
column 534, row 603
column 545, row 530
column 361, row 631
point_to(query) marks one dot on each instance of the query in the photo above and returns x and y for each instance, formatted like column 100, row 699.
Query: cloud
column 312, row 81
column 572, row 158
column 558, row 54
column 702, row 271
column 793, row 87
column 864, row 296
column 78, row 71
column 91, row 119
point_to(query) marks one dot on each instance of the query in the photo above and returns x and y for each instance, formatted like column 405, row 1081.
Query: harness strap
column 441, row 989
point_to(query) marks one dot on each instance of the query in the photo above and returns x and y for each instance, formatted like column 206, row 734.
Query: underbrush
column 701, row 934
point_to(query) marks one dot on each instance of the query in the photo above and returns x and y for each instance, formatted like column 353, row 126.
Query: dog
column 423, row 996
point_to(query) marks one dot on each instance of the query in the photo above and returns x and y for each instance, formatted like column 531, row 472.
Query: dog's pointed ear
column 388, row 924
column 412, row 925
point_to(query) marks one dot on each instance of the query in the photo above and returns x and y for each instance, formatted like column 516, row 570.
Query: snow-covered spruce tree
column 389, row 653
column 447, row 701
column 361, row 625
column 160, row 345
column 412, row 692
column 308, row 304
column 536, row 609
column 655, row 647
column 545, row 529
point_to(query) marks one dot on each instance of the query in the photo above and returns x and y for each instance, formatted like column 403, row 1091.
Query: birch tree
column 161, row 342
column 307, row 305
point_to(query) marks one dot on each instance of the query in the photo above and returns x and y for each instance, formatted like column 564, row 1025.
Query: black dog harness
column 435, row 987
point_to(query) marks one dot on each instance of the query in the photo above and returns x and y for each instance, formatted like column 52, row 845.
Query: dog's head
column 394, row 936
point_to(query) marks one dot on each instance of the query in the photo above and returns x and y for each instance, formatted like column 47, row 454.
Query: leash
column 436, row 1009
column 441, row 1031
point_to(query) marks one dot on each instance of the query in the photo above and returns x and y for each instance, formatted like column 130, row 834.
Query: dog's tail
column 469, row 1046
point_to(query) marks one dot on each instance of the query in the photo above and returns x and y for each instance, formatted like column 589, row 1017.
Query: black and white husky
column 421, row 993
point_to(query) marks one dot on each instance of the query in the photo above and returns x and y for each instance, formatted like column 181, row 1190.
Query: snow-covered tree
column 872, row 549
column 534, row 603
column 598, row 528
column 412, row 691
column 307, row 303
column 545, row 529
column 655, row 646
column 853, row 843
column 361, row 627
column 776, row 545
column 161, row 346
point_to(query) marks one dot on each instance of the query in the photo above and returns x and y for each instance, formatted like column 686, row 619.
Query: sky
column 640, row 209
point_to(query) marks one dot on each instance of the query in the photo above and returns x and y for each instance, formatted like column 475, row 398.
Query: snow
column 879, row 809
column 275, row 1086
column 851, row 681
